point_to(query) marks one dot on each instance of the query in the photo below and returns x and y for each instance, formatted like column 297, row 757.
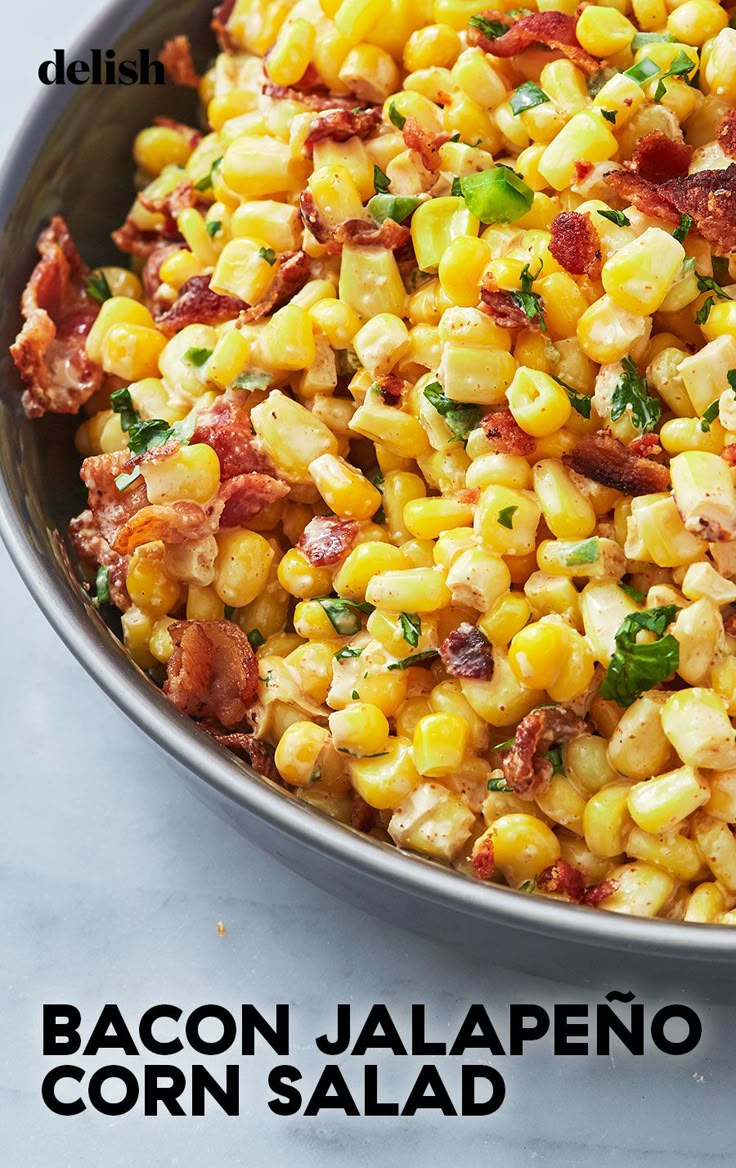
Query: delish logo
column 103, row 68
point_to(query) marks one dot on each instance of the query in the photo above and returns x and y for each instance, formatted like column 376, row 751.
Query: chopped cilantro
column 197, row 357
column 460, row 416
column 102, row 587
column 98, row 287
column 213, row 227
column 580, row 402
column 411, row 628
column 122, row 403
column 609, row 115
column 680, row 233
column 530, row 302
column 491, row 29
column 253, row 379
column 344, row 615
column 637, row 667
column 205, row 183
column 380, row 180
column 632, row 394
column 616, row 217
column 586, row 551
column 634, row 593
column 256, row 638
column 347, row 652
column 731, row 379
column 681, row 66
column 506, row 517
column 709, row 415
column 527, row 96
column 498, row 784
column 528, row 886
column 395, row 117
column 267, row 254
column 415, row 659
column 554, row 756
column 355, row 696
column 144, row 436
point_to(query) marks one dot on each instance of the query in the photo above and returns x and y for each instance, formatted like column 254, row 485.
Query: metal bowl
column 72, row 156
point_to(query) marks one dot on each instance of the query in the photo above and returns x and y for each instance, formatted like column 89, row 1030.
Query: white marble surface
column 112, row 879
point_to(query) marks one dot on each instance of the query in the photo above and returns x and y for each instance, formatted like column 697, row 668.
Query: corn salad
column 475, row 331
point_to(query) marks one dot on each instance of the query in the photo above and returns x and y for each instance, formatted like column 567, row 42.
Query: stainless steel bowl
column 72, row 156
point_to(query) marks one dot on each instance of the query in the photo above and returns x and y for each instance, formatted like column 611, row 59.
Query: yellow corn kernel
column 370, row 72
column 508, row 470
column 607, row 820
column 723, row 680
column 427, row 518
column 650, row 14
column 203, row 603
column 502, row 701
column 586, row 137
column 298, row 751
column 567, row 512
column 639, row 276
column 385, row 781
column 312, row 663
column 696, row 21
column 409, row 590
column 506, row 520
column 399, row 488
column 718, row 71
column 360, row 729
column 161, row 644
column 505, row 618
column 111, row 435
column 660, row 804
column 121, row 281
column 191, row 226
column 718, row 848
column 523, row 847
column 697, row 724
column 704, row 492
column 312, row 622
column 451, row 544
column 565, row 84
column 466, row 117
column 536, row 654
column 587, row 764
column 337, row 321
column 433, row 821
column 149, row 585
column 638, row 747
column 641, row 890
column 721, row 320
column 623, row 96
column 435, row 224
column 705, row 904
column 461, row 267
column 563, row 804
column 243, row 564
column 132, row 351
column 399, row 432
column 550, row 595
column 664, row 537
column 476, row 375
column 137, row 629
column 299, row 577
column 355, row 18
column 256, row 166
column 440, row 742
column 538, row 403
column 669, row 850
column 229, row 358
column 308, row 438
column 564, row 304
column 287, row 61
column 470, row 326
column 409, row 715
column 191, row 472
column 179, row 267
column 704, row 374
column 344, row 489
column 363, row 563
column 277, row 224
column 370, row 281
column 244, row 269
column 118, row 310
column 607, row 332
column 160, row 146
column 381, row 342
column 474, row 74
column 433, row 45
column 605, row 31
column 477, row 579
column 223, row 107
column 447, row 698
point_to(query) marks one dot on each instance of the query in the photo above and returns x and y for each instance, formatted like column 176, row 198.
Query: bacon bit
column 469, row 495
column 93, row 550
column 582, row 171
column 254, row 751
column 294, row 271
column 504, row 431
column 179, row 522
column 151, row 278
column 311, row 99
column 363, row 817
column 524, row 766
column 645, row 445
column 598, row 892
column 111, row 508
column 192, row 136
column 49, row 351
column 218, row 24
column 604, row 459
column 339, row 124
column 554, row 30
column 198, row 304
column 180, row 199
column 503, row 309
column 213, row 671
column 708, row 196
column 564, row 879
column 425, row 144
column 326, row 539
column 466, row 653
column 484, row 862
column 728, row 454
column 658, row 158
column 729, row 624
column 226, row 427
column 358, row 232
column 575, row 244
column 176, row 58
column 726, row 136
column 246, row 495
column 391, row 389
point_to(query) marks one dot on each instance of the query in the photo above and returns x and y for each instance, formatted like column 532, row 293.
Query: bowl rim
column 103, row 658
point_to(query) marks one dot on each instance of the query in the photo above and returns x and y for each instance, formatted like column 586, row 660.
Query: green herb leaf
column 213, row 227
column 394, row 116
column 703, row 312
column 98, row 287
column 681, row 66
column 634, row 593
column 355, row 696
column 527, row 96
column 708, row 284
column 530, row 302
column 595, row 83
column 316, row 774
column 102, row 587
column 415, row 659
column 635, row 667
column 347, row 652
column 580, row 402
column 688, row 267
column 396, row 207
column 461, row 417
column 528, row 886
column 643, row 71
column 197, row 357
column 632, row 393
column 731, row 379
column 506, row 517
column 267, row 254
column 709, row 415
column 586, row 551
column 348, row 362
column 491, row 29
column 456, row 189
column 230, row 611
column 498, row 785
column 650, row 38
column 253, row 379
column 497, row 195
column 554, row 756
column 344, row 615
column 122, row 403
column 256, row 638
column 680, row 233
column 144, row 436
column 205, row 184
column 124, row 480
column 609, row 115
column 411, row 628
column 616, row 217
column 381, row 181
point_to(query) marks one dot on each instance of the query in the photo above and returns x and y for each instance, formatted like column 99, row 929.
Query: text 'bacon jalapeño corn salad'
column 409, row 444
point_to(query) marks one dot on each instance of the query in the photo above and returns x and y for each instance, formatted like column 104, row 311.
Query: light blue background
column 113, row 878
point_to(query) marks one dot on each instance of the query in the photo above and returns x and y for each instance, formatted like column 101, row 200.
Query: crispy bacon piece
column 729, row 454
column 467, row 653
column 426, row 145
column 604, row 459
column 502, row 428
column 525, row 767
column 363, row 817
column 213, row 672
column 193, row 137
column 111, row 507
column 582, row 170
column 254, row 751
column 469, row 495
column 645, row 445
column 151, row 277
column 311, row 98
column 359, row 232
column 708, row 196
column 246, row 495
column 391, row 389
column 598, row 892
column 564, row 879
column 180, row 199
column 554, row 30
column 339, row 124
column 179, row 522
column 94, row 550
column 218, row 24
column 176, row 58
column 726, row 136
column 292, row 275
column 659, row 158
column 226, row 427
column 575, row 244
column 503, row 309
column 327, row 539
column 484, row 861
column 49, row 351
column 198, row 304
